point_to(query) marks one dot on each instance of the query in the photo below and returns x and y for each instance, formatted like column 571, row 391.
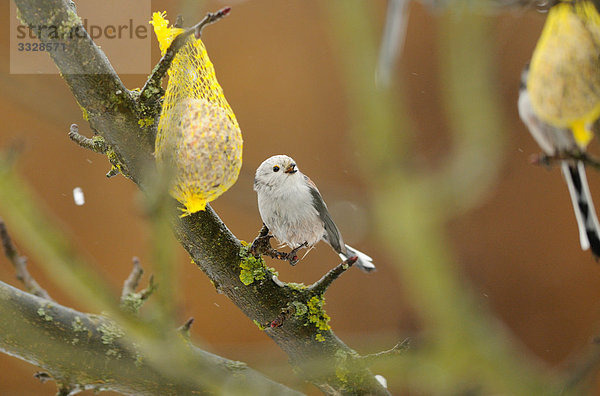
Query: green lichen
column 252, row 268
column 146, row 122
column 78, row 325
column 296, row 286
column 345, row 368
column 84, row 113
column 117, row 165
column 132, row 302
column 46, row 315
column 110, row 332
column 113, row 158
column 139, row 360
column 99, row 142
column 316, row 313
column 75, row 341
column 261, row 327
column 112, row 352
column 67, row 27
column 301, row 309
column 341, row 369
column 234, row 365
column 319, row 337
column 20, row 18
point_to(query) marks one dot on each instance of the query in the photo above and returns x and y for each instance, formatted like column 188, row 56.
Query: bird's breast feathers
column 288, row 212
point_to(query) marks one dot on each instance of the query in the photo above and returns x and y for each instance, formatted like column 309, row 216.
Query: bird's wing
column 332, row 234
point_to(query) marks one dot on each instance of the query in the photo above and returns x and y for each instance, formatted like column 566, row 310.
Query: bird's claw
column 262, row 245
column 292, row 256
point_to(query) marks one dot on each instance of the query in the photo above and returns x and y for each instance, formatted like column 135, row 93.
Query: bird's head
column 275, row 171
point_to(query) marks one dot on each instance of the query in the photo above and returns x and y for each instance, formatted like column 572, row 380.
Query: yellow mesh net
column 199, row 139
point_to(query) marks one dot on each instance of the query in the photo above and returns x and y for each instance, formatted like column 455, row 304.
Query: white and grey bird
column 554, row 141
column 294, row 211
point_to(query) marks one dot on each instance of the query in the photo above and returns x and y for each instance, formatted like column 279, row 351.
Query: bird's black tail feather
column 587, row 222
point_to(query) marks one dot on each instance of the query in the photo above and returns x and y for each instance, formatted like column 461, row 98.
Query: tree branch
column 396, row 350
column 84, row 351
column 133, row 280
column 575, row 155
column 20, row 263
column 95, row 145
column 320, row 286
column 131, row 300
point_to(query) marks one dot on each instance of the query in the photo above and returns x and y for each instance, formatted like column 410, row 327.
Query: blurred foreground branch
column 20, row 264
column 84, row 351
column 465, row 349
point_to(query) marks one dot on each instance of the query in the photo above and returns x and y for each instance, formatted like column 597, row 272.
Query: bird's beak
column 291, row 168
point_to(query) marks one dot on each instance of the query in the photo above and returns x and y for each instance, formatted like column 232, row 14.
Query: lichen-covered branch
column 131, row 300
column 320, row 286
column 96, row 145
column 84, row 351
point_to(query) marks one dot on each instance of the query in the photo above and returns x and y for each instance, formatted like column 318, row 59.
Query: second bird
column 554, row 141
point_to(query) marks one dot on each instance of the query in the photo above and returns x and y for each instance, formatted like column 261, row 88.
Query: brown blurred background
column 277, row 65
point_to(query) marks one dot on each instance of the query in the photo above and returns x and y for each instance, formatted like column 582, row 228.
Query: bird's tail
column 364, row 262
column 587, row 222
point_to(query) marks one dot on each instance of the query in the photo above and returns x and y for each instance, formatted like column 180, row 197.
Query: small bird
column 293, row 210
column 555, row 141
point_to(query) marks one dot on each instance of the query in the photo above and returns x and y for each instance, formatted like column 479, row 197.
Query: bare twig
column 97, row 145
column 147, row 292
column 392, row 42
column 42, row 376
column 396, row 350
column 178, row 21
column 588, row 365
column 130, row 299
column 549, row 160
column 20, row 264
column 114, row 171
column 152, row 88
column 320, row 286
column 184, row 329
column 133, row 280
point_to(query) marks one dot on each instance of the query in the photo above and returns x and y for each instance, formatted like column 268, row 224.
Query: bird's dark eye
column 275, row 168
